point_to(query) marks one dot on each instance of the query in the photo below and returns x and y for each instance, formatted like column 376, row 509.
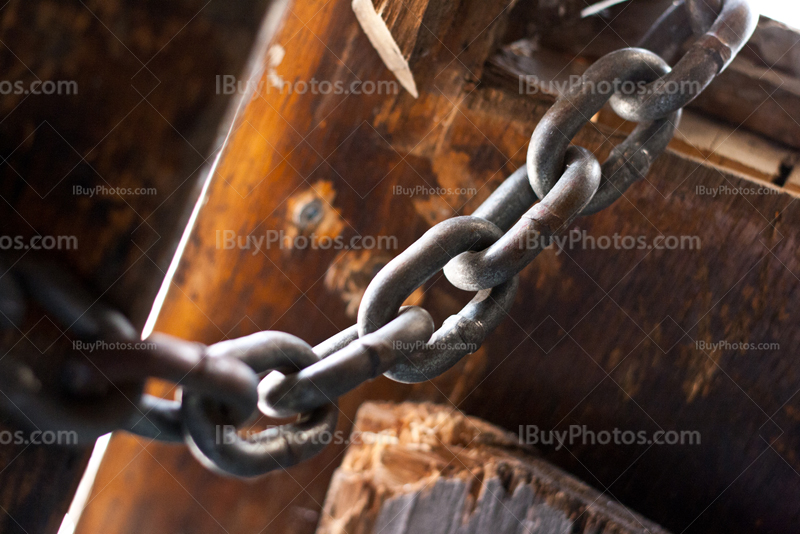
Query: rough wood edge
column 414, row 467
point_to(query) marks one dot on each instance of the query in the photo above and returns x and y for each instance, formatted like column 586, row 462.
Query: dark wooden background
column 146, row 114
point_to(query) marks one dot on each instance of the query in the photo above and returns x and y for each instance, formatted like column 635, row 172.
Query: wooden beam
column 405, row 32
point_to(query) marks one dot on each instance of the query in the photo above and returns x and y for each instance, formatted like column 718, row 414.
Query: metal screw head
column 309, row 215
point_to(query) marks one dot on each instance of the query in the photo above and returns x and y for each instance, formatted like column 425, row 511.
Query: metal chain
column 223, row 386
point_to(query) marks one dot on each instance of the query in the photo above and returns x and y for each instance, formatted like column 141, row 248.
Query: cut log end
column 427, row 468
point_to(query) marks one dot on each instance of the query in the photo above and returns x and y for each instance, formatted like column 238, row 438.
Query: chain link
column 708, row 56
column 515, row 249
column 629, row 161
column 223, row 386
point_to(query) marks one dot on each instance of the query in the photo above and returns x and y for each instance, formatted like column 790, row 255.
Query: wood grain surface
column 598, row 337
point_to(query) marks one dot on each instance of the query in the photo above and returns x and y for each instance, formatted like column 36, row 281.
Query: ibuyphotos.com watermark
column 581, row 435
column 714, row 346
column 39, row 242
column 278, row 239
column 531, row 84
column 723, row 190
column 577, row 239
column 423, row 190
column 228, row 435
column 107, row 346
column 440, row 346
column 102, row 190
column 39, row 87
column 39, row 437
column 228, row 84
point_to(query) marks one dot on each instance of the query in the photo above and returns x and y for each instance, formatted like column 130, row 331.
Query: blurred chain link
column 223, row 387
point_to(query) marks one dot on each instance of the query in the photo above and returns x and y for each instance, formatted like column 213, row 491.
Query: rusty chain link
column 223, row 386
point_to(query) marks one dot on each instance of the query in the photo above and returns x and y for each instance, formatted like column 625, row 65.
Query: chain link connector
column 461, row 334
column 669, row 32
column 229, row 381
column 512, row 198
column 364, row 359
column 519, row 246
column 703, row 14
column 632, row 158
column 211, row 434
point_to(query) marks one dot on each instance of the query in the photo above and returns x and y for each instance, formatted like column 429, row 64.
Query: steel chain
column 223, row 386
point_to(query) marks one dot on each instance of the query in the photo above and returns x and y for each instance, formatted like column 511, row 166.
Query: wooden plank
column 760, row 98
column 747, row 114
column 428, row 468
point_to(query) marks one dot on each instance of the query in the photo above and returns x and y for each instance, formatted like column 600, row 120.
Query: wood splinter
column 371, row 18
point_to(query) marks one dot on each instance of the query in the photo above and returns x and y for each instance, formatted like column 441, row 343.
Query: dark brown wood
column 761, row 98
column 428, row 468
column 405, row 33
column 542, row 74
column 142, row 113
column 598, row 337
column 759, row 91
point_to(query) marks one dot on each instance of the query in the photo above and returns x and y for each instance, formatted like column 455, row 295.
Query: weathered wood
column 597, row 337
column 273, row 162
column 428, row 468
column 405, row 32
column 759, row 98
column 543, row 74
column 140, row 111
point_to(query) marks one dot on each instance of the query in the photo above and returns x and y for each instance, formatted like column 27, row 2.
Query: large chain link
column 222, row 386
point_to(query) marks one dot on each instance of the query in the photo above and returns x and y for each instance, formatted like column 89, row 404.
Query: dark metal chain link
column 223, row 386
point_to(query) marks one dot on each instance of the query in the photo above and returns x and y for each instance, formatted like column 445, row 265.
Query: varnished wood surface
column 603, row 338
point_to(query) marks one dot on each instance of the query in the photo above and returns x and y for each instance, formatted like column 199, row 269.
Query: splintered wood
column 426, row 468
column 394, row 49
